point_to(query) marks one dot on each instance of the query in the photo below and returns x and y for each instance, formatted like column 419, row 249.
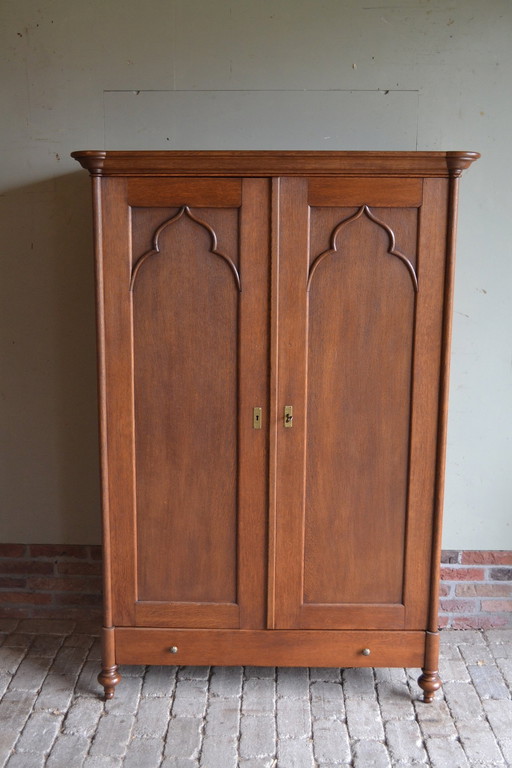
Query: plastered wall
column 250, row 74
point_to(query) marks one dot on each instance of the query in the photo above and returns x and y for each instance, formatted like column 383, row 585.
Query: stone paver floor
column 51, row 713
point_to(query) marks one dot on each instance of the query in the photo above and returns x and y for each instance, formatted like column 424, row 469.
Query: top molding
column 290, row 163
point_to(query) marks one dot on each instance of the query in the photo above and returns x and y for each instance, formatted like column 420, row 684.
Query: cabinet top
column 275, row 163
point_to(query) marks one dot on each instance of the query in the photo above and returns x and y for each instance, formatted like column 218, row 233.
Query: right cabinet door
column 360, row 314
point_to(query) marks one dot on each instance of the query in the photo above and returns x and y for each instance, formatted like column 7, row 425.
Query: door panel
column 349, row 283
column 361, row 299
column 185, row 332
column 192, row 448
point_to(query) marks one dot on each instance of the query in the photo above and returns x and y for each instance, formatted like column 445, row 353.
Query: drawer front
column 287, row 648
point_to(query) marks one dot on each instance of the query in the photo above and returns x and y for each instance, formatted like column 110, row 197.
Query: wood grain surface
column 228, row 281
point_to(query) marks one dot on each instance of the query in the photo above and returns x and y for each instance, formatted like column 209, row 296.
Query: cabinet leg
column 429, row 682
column 109, row 675
column 109, row 678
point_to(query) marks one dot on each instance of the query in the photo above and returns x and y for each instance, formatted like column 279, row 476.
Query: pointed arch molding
column 364, row 210
column 184, row 211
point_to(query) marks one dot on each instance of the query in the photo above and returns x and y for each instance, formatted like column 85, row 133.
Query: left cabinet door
column 183, row 296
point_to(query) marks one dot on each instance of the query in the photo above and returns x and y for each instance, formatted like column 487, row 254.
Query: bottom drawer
column 272, row 648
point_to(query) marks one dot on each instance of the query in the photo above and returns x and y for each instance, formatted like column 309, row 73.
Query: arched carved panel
column 183, row 211
column 392, row 250
column 362, row 298
column 185, row 300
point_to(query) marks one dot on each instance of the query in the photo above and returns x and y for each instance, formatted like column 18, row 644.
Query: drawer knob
column 366, row 651
column 174, row 649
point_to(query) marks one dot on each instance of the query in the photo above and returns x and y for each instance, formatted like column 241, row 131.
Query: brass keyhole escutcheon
column 288, row 415
column 256, row 418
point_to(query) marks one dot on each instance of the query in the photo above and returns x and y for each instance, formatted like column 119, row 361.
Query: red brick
column 479, row 621
column 444, row 590
column 12, row 550
column 462, row 574
column 90, row 623
column 496, row 589
column 57, row 614
column 459, row 606
column 82, row 569
column 487, row 557
column 58, row 550
column 72, row 598
column 17, row 611
column 450, row 556
column 25, row 566
column 500, row 574
column 442, row 621
column 35, row 598
column 6, row 627
column 496, row 605
column 69, row 612
column 7, row 582
column 34, row 626
column 96, row 551
column 87, row 584
column 86, row 613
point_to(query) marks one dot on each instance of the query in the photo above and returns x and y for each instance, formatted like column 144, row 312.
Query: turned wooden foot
column 429, row 682
column 109, row 678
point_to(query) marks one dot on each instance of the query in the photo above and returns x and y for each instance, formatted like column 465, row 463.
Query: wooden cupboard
column 273, row 334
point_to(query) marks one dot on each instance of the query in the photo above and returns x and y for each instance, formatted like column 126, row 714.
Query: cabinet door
column 184, row 317
column 361, row 283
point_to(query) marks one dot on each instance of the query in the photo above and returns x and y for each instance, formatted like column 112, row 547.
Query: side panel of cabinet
column 185, row 295
column 361, row 286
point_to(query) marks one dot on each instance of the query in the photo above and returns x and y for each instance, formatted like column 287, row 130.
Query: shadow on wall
column 49, row 464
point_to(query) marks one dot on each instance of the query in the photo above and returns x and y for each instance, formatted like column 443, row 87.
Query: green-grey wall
column 251, row 74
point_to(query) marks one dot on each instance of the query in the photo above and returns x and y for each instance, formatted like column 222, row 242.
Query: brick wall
column 476, row 589
column 48, row 580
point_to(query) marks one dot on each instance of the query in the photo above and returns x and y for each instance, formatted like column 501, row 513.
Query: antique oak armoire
column 273, row 368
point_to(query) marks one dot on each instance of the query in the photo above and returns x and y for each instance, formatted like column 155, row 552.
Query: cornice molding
column 263, row 163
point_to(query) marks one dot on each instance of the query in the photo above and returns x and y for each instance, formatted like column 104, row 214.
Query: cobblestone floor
column 51, row 713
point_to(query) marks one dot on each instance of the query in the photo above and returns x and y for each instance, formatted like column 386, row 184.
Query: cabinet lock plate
column 288, row 416
column 256, row 418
